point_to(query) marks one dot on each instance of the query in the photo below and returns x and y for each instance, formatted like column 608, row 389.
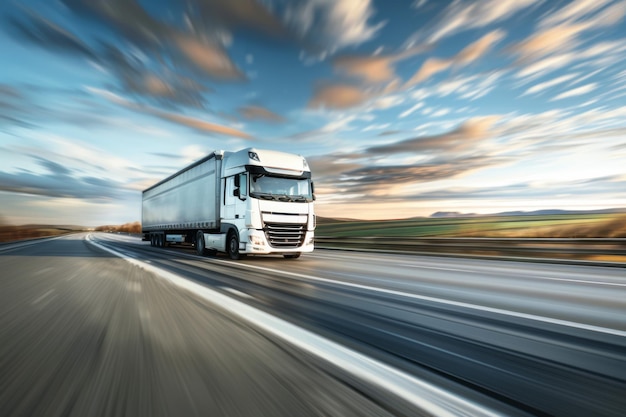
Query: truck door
column 235, row 201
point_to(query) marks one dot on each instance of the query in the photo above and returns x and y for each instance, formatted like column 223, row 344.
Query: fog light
column 256, row 240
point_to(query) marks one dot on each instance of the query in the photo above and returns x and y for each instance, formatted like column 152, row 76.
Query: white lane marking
column 579, row 281
column 40, row 298
column 517, row 314
column 422, row 394
column 236, row 292
column 535, row 277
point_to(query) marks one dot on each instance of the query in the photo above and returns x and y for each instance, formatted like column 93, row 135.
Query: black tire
column 200, row 248
column 152, row 240
column 294, row 255
column 232, row 246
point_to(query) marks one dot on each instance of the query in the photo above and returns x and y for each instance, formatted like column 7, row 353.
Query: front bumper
column 256, row 243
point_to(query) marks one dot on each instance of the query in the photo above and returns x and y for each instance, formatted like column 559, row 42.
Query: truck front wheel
column 232, row 246
column 200, row 248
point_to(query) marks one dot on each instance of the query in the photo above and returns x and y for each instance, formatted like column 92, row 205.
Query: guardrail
column 602, row 249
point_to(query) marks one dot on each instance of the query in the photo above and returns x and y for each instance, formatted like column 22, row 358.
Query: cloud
column 42, row 31
column 254, row 112
column 200, row 125
column 549, row 41
column 332, row 24
column 462, row 16
column 192, row 122
column 429, row 68
column 159, row 51
column 479, row 48
column 58, row 182
column 332, row 165
column 167, row 88
column 560, row 33
column 53, row 167
column 440, row 157
column 574, row 11
column 411, row 110
column 579, row 91
column 537, row 88
column 374, row 179
column 468, row 55
column 466, row 136
column 233, row 14
column 352, row 176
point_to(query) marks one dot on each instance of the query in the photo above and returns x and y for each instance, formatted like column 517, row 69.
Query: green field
column 557, row 226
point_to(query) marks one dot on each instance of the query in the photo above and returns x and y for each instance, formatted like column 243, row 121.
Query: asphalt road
column 84, row 332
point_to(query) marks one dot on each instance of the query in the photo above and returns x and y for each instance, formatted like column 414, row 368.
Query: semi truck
column 251, row 201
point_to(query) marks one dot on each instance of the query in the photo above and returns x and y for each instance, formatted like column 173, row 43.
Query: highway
column 105, row 325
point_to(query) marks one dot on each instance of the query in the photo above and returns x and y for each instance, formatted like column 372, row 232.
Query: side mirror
column 236, row 192
column 237, row 181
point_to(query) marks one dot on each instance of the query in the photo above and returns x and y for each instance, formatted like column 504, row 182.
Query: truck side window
column 243, row 185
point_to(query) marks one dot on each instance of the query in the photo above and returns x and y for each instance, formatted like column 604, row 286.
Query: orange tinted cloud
column 469, row 54
column 338, row 96
column 208, row 57
column 431, row 67
column 549, row 41
column 376, row 68
column 260, row 113
column 201, row 124
column 479, row 48
column 466, row 136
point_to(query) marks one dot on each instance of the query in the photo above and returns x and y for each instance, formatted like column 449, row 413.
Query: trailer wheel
column 152, row 239
column 232, row 246
column 200, row 248
column 294, row 255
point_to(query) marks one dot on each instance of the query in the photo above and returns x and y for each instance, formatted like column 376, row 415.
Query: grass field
column 555, row 226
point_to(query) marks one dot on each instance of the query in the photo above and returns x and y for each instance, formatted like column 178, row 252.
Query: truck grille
column 284, row 235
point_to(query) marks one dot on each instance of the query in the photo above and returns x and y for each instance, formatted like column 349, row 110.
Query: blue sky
column 403, row 108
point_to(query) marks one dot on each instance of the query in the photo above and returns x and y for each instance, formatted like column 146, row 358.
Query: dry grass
column 13, row 233
column 134, row 227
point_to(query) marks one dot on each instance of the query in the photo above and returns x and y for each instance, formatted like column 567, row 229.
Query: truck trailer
column 247, row 202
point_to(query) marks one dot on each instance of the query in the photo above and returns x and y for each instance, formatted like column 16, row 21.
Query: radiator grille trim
column 285, row 235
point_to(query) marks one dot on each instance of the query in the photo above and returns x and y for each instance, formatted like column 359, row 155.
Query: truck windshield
column 279, row 188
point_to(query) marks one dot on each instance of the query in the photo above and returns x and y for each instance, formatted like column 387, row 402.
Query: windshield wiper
column 279, row 197
column 265, row 196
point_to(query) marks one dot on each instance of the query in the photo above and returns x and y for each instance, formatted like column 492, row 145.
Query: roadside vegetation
column 9, row 233
column 531, row 226
column 134, row 227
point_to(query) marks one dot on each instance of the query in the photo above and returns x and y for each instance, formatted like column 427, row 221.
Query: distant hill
column 548, row 212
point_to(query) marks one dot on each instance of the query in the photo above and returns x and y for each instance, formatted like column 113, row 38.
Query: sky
column 402, row 108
